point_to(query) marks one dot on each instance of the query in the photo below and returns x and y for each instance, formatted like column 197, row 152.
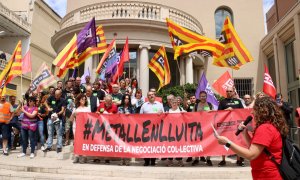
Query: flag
column 74, row 74
column 87, row 37
column 26, row 63
column 63, row 58
column 160, row 66
column 223, row 83
column 235, row 54
column 124, row 57
column 42, row 80
column 109, row 53
column 100, row 48
column 269, row 87
column 182, row 36
column 112, row 66
column 192, row 47
column 85, row 75
column 203, row 85
column 12, row 69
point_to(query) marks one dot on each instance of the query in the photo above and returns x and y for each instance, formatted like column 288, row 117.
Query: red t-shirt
column 112, row 109
column 262, row 167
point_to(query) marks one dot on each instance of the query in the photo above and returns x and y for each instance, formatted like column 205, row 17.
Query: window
column 243, row 86
column 131, row 66
column 272, row 70
column 290, row 62
column 220, row 16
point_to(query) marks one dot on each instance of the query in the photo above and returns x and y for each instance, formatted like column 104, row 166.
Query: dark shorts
column 4, row 130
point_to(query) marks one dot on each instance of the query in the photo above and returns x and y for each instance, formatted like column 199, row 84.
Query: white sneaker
column 43, row 148
column 31, row 156
column 21, row 155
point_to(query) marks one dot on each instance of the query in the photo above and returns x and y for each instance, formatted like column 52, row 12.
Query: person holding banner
column 175, row 109
column 81, row 106
column 138, row 100
column 126, row 108
column 202, row 105
column 268, row 133
column 227, row 104
column 151, row 107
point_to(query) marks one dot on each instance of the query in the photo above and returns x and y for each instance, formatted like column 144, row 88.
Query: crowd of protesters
column 41, row 117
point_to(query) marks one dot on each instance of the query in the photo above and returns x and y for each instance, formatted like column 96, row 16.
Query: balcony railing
column 4, row 11
column 131, row 10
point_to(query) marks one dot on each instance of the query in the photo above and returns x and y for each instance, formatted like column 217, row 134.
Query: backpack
column 289, row 167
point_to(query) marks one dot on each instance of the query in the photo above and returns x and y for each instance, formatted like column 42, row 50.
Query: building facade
column 34, row 23
column 143, row 21
column 280, row 49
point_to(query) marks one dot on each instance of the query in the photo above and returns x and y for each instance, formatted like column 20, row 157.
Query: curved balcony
column 130, row 10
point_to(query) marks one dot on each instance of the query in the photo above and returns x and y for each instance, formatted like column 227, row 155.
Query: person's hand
column 22, row 109
column 50, row 109
column 280, row 104
column 242, row 126
column 230, row 108
column 159, row 112
column 222, row 140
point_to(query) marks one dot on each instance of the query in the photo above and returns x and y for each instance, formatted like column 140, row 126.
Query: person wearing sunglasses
column 229, row 103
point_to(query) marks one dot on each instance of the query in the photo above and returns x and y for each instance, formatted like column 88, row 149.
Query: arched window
column 220, row 15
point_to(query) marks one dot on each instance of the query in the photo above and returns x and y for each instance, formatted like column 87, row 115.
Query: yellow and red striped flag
column 191, row 47
column 235, row 54
column 182, row 36
column 12, row 69
column 63, row 58
column 160, row 66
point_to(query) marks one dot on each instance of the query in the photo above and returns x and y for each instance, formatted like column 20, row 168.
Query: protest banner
column 154, row 136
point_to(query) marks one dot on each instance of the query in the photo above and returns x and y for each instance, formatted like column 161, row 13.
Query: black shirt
column 190, row 107
column 99, row 94
column 230, row 102
column 56, row 105
column 117, row 97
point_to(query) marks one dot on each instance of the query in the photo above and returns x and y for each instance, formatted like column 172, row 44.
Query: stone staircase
column 52, row 165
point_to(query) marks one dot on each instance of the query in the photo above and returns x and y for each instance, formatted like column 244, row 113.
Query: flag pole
column 21, row 84
column 129, row 71
column 180, row 73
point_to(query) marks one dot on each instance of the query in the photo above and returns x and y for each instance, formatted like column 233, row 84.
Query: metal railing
column 131, row 10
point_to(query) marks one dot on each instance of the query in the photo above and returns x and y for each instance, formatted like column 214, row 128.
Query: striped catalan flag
column 71, row 64
column 12, row 69
column 182, row 36
column 101, row 47
column 110, row 50
column 191, row 47
column 235, row 54
column 63, row 58
column 160, row 66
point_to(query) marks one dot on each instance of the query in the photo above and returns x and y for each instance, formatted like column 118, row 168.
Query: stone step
column 10, row 175
column 135, row 171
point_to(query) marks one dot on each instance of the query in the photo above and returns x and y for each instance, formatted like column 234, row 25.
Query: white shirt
column 176, row 111
column 151, row 108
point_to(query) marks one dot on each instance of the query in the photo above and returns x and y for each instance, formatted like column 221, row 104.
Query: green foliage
column 179, row 91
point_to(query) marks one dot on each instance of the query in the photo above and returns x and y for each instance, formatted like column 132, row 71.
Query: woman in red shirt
column 270, row 126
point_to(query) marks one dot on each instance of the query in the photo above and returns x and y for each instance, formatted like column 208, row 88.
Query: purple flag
column 85, row 75
column 112, row 64
column 203, row 85
column 87, row 37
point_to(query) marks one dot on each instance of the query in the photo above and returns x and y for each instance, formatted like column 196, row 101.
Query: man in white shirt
column 151, row 107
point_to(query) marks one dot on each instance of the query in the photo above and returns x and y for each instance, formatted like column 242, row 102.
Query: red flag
column 269, row 87
column 26, row 63
column 123, row 58
column 222, row 83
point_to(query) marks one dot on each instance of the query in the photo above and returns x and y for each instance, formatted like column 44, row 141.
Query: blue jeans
column 41, row 132
column 58, row 128
column 25, row 135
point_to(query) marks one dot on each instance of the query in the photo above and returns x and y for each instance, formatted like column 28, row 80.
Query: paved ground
column 40, row 167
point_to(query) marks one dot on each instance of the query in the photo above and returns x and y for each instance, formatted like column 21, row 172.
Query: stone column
column 189, row 70
column 88, row 66
column 182, row 70
column 297, row 44
column 144, row 70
